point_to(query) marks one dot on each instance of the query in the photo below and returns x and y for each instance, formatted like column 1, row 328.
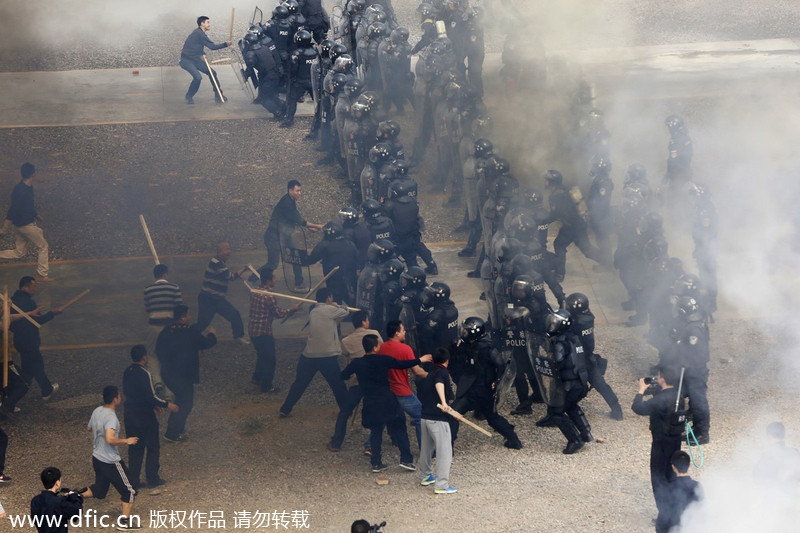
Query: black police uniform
column 342, row 253
column 571, row 364
column 583, row 328
column 299, row 79
column 693, row 353
column 404, row 212
column 573, row 229
column 480, row 365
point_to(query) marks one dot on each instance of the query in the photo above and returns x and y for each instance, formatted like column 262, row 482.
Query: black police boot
column 474, row 274
column 616, row 413
column 636, row 320
column 467, row 252
column 522, row 409
column 432, row 269
column 513, row 443
column 572, row 447
column 546, row 421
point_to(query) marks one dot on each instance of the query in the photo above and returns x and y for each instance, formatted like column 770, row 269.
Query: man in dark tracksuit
column 192, row 59
column 141, row 405
column 27, row 341
column 665, row 441
column 178, row 348
column 50, row 505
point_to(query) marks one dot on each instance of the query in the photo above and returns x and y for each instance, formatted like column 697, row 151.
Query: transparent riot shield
column 367, row 288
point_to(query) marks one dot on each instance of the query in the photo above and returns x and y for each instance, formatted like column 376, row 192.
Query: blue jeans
column 413, row 407
column 197, row 70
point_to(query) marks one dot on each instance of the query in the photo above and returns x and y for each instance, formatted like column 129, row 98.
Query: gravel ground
column 202, row 182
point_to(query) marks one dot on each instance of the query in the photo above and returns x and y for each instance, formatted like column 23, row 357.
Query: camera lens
column 648, row 380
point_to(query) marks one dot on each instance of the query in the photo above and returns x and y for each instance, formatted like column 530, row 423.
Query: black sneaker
column 703, row 439
column 157, row 483
column 190, row 100
column 124, row 523
column 616, row 413
column 379, row 468
column 522, row 410
column 474, row 274
column 514, row 443
column 467, row 252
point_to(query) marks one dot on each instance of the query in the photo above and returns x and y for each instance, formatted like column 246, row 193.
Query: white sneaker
column 243, row 340
column 55, row 390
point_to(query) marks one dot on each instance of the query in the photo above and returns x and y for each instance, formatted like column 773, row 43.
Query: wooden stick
column 297, row 298
column 78, row 297
column 214, row 79
column 254, row 271
column 221, row 60
column 149, row 239
column 313, row 289
column 233, row 12
column 458, row 416
column 25, row 315
column 6, row 324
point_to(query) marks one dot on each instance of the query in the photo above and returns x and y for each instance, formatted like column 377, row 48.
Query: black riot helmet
column 380, row 154
column 674, row 123
column 520, row 265
column 483, row 148
column 325, row 47
column 377, row 30
column 508, row 248
column 687, row 285
column 558, row 322
column 339, row 82
column 436, row 292
column 689, row 310
column 472, row 329
column 332, row 230
column 251, row 39
column 370, row 98
column 281, row 12
column 380, row 251
column 601, row 166
column 501, row 166
column 256, row 30
column 527, row 286
column 523, row 227
column 505, row 187
column 337, row 50
column 413, row 278
column 292, row 6
column 402, row 188
column 354, row 87
column 302, row 39
column 699, row 190
column 399, row 35
column 425, row 10
column 343, row 63
column 401, row 168
column 371, row 208
column 388, row 129
column 349, row 216
column 482, row 125
column 360, row 110
column 533, row 197
column 391, row 270
column 553, row 178
column 356, row 6
column 637, row 172
column 577, row 303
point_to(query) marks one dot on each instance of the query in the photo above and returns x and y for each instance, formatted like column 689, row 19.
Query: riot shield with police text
column 545, row 369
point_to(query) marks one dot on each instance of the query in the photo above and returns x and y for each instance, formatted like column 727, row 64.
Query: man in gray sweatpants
column 436, row 436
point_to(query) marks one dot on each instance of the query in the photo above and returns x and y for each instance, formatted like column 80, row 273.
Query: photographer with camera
column 666, row 426
column 55, row 501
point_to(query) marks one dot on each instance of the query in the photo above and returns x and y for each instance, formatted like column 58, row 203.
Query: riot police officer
column 583, row 327
column 568, row 360
column 404, row 212
column 477, row 369
column 299, row 74
column 317, row 20
column 335, row 250
column 599, row 204
column 263, row 56
column 379, row 225
column 439, row 327
column 391, row 288
column 704, row 234
column 681, row 150
column 573, row 224
column 369, row 293
column 394, row 60
column 412, row 283
column 355, row 230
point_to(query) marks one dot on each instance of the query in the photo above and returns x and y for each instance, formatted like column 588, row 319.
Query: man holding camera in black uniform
column 55, row 505
column 664, row 427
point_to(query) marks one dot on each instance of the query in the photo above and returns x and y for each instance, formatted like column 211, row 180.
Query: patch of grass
column 252, row 426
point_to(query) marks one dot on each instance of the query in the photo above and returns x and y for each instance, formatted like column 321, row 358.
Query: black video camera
column 652, row 385
column 65, row 492
column 377, row 527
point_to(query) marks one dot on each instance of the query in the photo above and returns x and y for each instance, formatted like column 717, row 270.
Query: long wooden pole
column 233, row 12
column 22, row 313
column 6, row 324
column 458, row 416
column 149, row 239
column 313, row 289
column 214, row 79
column 78, row 297
column 297, row 298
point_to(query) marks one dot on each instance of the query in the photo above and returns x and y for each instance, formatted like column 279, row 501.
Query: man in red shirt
column 263, row 310
column 398, row 379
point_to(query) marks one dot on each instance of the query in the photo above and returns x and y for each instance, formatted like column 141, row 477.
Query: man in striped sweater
column 211, row 300
column 160, row 299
